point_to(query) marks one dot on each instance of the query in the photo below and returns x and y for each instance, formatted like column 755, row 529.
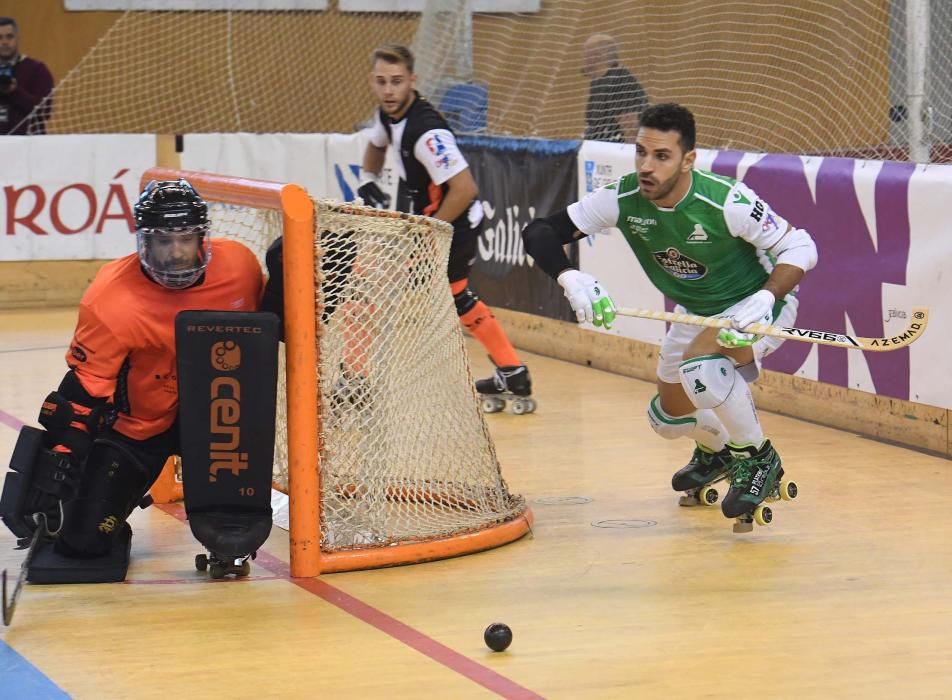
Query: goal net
column 376, row 397
column 859, row 78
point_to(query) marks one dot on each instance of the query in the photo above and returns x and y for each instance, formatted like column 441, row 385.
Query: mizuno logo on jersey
column 698, row 235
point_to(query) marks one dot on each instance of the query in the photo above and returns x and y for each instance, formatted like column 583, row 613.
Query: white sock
column 709, row 432
column 739, row 416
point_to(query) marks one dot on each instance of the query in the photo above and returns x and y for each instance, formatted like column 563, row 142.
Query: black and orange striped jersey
column 124, row 345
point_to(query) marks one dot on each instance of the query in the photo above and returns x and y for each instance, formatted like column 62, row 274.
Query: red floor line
column 414, row 639
column 10, row 421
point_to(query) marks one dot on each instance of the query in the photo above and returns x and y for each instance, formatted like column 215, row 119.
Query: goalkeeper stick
column 920, row 317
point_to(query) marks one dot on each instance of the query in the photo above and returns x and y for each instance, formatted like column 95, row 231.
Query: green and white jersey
column 706, row 253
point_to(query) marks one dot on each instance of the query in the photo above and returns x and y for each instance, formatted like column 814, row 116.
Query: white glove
column 588, row 299
column 757, row 308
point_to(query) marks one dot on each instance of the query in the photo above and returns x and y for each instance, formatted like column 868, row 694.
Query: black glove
column 373, row 196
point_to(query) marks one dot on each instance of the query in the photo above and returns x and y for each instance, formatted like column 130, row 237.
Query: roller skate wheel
column 708, row 495
column 531, row 405
column 201, row 562
column 493, row 405
column 245, row 568
column 763, row 515
column 217, row 570
column 519, row 406
column 788, row 490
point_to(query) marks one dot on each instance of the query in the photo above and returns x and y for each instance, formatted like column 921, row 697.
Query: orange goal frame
column 303, row 421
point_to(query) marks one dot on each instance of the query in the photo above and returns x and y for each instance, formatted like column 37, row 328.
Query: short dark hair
column 671, row 117
column 393, row 53
column 9, row 20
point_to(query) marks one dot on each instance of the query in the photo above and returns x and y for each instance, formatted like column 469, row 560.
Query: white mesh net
column 405, row 451
column 812, row 77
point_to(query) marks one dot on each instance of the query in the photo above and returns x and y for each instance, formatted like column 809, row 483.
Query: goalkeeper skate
column 697, row 479
column 755, row 480
column 507, row 384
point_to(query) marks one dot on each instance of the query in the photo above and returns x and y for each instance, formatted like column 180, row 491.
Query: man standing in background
column 615, row 97
column 435, row 180
column 24, row 83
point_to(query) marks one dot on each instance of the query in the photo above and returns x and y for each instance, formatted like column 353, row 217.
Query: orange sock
column 480, row 321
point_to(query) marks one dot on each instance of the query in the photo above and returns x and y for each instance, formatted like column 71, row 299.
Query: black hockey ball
column 498, row 636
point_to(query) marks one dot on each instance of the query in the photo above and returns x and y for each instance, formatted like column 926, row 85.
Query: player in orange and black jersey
column 435, row 180
column 112, row 421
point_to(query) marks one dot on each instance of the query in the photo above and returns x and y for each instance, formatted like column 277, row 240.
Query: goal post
column 381, row 446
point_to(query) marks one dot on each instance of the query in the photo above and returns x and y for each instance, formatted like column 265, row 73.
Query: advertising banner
column 297, row 158
column 70, row 197
column 519, row 180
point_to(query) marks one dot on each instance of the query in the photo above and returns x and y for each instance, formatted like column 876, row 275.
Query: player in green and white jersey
column 716, row 249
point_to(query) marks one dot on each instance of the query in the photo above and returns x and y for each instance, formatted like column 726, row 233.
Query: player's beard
column 401, row 107
column 660, row 190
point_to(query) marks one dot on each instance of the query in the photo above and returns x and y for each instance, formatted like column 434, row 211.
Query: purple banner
column 848, row 279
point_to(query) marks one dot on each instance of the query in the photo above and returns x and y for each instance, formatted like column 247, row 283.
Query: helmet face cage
column 168, row 271
column 165, row 211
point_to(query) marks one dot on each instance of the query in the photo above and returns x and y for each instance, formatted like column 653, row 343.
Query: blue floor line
column 21, row 680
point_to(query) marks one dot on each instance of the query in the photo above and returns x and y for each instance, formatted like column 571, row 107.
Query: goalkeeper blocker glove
column 588, row 299
column 370, row 192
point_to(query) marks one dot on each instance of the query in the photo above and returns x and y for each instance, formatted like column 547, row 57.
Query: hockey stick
column 9, row 606
column 920, row 317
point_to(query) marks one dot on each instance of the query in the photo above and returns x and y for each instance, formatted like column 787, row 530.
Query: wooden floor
column 618, row 592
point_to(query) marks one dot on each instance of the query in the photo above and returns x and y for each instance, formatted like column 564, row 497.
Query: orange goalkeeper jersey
column 124, row 345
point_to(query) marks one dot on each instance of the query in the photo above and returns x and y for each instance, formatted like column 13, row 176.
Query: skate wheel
column 788, row 490
column 763, row 515
column 493, row 405
column 245, row 568
column 216, row 570
column 708, row 495
column 530, row 405
column 201, row 562
column 519, row 406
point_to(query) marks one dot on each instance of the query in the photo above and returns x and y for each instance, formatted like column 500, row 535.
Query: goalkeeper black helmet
column 172, row 233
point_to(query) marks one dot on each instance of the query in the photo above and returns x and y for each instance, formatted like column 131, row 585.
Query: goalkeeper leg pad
column 94, row 542
column 227, row 373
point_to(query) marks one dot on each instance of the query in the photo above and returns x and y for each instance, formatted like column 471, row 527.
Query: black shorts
column 463, row 248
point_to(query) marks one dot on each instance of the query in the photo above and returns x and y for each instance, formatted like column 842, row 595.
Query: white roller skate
column 507, row 384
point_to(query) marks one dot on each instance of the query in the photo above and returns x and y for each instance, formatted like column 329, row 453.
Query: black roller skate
column 698, row 477
column 231, row 538
column 507, row 384
column 756, row 479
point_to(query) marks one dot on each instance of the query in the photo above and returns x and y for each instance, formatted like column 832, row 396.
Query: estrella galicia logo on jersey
column 676, row 264
column 226, row 356
column 78, row 353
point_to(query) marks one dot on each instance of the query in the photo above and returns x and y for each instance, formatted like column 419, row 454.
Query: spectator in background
column 615, row 98
column 24, row 83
